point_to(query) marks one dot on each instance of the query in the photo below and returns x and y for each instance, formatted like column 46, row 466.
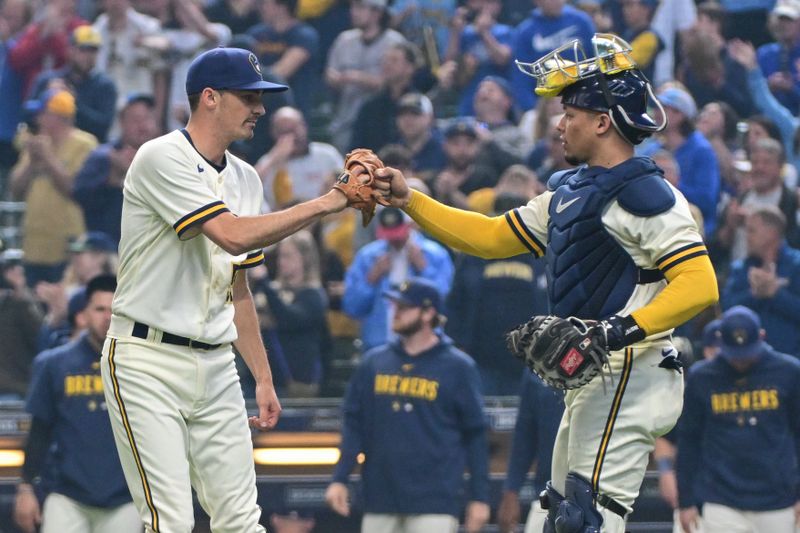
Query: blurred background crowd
column 430, row 85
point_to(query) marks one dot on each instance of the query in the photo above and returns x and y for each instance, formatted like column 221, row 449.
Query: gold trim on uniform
column 197, row 216
column 125, row 422
column 680, row 255
column 612, row 418
column 253, row 260
column 522, row 232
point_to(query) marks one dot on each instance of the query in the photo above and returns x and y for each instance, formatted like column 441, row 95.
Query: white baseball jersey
column 171, row 277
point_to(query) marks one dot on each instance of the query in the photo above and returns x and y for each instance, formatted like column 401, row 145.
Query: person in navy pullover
column 70, row 447
column 414, row 409
column 739, row 434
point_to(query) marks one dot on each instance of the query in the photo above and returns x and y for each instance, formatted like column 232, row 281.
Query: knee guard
column 550, row 500
column 576, row 513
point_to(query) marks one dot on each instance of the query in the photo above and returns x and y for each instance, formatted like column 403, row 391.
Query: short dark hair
column 194, row 101
column 101, row 283
column 411, row 52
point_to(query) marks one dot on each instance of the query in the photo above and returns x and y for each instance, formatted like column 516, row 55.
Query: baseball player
column 622, row 252
column 190, row 226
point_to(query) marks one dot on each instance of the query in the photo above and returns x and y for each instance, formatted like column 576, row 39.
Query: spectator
column 646, row 44
column 778, row 60
column 414, row 408
column 355, row 64
column 238, row 15
column 135, row 69
column 14, row 16
column 375, row 127
column 517, row 285
column 424, row 23
column 767, row 188
column 549, row 26
column 709, row 73
column 718, row 123
column 547, row 157
column 670, row 20
column 20, row 320
column 98, row 185
column 495, row 107
column 289, row 49
column 517, row 182
column 185, row 33
column 399, row 253
column 418, row 133
column 700, row 179
column 479, row 45
column 470, row 164
column 91, row 255
column 95, row 93
column 748, row 20
column 767, row 104
column 43, row 178
column 749, row 395
column 44, row 43
column 768, row 279
column 538, row 417
column 296, row 305
column 68, row 411
column 295, row 169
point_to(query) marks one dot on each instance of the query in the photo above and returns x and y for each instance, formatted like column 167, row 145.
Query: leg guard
column 550, row 499
column 577, row 512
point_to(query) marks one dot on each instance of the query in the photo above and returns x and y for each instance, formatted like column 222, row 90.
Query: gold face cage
column 568, row 63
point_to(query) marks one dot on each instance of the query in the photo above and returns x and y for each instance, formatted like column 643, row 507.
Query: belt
column 611, row 504
column 140, row 331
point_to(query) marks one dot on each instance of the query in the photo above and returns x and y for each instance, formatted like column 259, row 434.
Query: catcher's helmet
column 608, row 82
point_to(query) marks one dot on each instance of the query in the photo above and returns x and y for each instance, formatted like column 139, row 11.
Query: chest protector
column 589, row 274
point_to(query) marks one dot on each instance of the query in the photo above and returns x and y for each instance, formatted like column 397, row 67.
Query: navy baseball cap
column 93, row 241
column 740, row 334
column 227, row 68
column 416, row 292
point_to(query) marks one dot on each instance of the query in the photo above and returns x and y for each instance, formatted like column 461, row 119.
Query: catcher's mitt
column 565, row 353
column 357, row 182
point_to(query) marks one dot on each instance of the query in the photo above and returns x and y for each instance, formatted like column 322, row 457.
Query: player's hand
column 690, row 519
column 27, row 514
column 668, row 487
column 392, row 184
column 508, row 513
column 269, row 408
column 336, row 496
column 476, row 517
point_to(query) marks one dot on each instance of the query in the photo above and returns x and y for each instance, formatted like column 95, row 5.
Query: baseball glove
column 565, row 353
column 357, row 182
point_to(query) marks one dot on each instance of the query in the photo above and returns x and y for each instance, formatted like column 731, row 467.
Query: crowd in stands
column 432, row 87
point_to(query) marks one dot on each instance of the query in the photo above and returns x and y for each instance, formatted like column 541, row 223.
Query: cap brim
column 265, row 86
column 33, row 106
column 395, row 296
column 398, row 232
column 742, row 352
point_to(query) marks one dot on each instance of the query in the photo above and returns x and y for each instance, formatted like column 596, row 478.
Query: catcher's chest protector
column 589, row 274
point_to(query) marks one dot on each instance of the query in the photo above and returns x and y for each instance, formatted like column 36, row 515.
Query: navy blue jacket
column 66, row 393
column 419, row 422
column 739, row 434
column 100, row 201
column 538, row 418
column 780, row 315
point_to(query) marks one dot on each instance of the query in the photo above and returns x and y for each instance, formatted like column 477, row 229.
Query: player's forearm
column 692, row 287
column 467, row 231
column 238, row 235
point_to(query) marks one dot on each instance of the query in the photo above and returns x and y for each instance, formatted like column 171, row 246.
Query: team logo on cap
column 740, row 336
column 254, row 63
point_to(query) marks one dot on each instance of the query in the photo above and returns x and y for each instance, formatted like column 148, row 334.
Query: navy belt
column 140, row 331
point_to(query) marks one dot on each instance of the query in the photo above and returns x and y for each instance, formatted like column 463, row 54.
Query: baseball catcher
column 357, row 182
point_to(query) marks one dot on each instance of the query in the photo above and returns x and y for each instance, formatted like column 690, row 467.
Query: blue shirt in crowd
column 472, row 44
column 100, row 201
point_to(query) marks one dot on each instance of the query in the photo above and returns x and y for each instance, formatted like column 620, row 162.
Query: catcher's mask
column 608, row 82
